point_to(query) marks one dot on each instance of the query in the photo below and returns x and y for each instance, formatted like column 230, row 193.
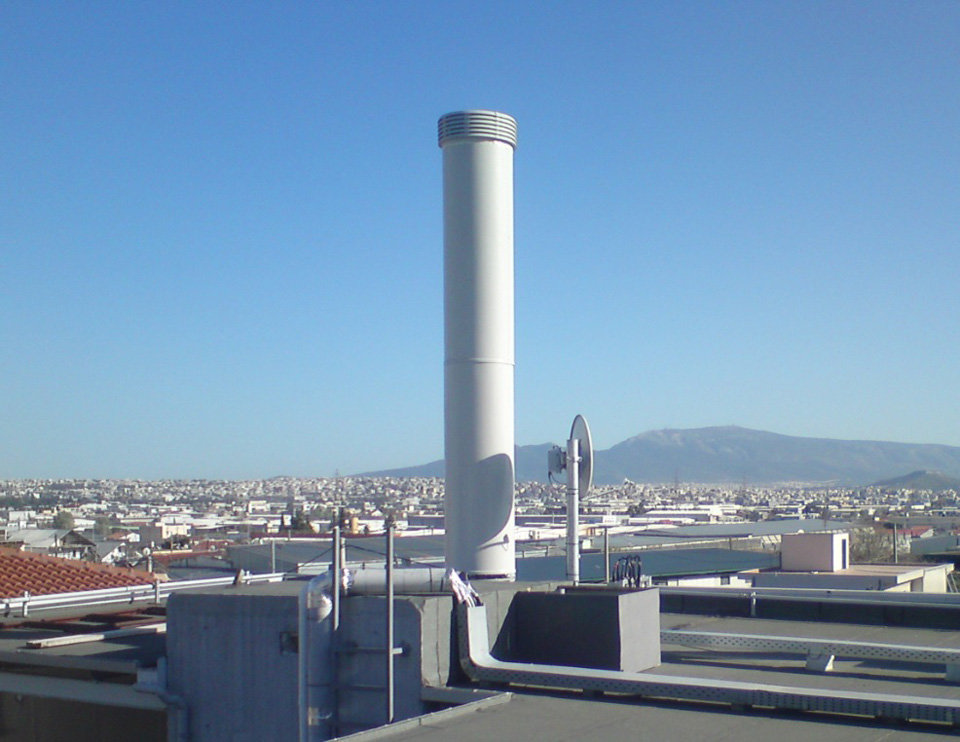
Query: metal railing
column 819, row 653
column 835, row 595
column 155, row 592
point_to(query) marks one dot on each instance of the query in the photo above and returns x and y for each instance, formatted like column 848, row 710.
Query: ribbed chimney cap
column 482, row 125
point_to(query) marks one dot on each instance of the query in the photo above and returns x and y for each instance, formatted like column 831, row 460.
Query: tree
column 870, row 545
column 322, row 514
column 103, row 525
column 300, row 521
column 63, row 520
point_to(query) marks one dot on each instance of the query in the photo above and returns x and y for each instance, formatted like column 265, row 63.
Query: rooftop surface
column 540, row 714
column 119, row 654
column 536, row 714
column 536, row 717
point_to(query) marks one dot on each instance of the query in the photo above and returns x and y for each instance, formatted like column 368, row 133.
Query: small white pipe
column 178, row 728
column 303, row 648
column 315, row 608
column 337, row 581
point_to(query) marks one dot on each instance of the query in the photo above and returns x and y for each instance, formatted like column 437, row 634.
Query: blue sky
column 220, row 225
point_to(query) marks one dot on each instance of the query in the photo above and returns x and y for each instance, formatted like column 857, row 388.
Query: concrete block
column 820, row 662
column 611, row 631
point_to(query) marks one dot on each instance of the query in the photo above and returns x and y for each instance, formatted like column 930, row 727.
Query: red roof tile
column 46, row 575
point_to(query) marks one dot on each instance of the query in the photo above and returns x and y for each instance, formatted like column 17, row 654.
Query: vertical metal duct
column 479, row 341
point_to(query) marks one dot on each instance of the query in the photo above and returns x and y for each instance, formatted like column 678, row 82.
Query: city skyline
column 221, row 227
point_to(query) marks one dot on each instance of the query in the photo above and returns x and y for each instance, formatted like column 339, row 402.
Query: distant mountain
column 530, row 463
column 433, row 469
column 922, row 480
column 732, row 454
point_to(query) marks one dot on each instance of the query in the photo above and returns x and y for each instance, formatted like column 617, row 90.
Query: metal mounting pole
column 390, row 653
column 337, row 567
column 606, row 555
column 573, row 510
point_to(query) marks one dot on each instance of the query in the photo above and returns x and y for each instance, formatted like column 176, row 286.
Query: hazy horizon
column 414, row 465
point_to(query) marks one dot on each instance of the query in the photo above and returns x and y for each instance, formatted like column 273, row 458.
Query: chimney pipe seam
column 470, row 359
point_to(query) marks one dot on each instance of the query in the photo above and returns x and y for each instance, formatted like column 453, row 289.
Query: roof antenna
column 577, row 461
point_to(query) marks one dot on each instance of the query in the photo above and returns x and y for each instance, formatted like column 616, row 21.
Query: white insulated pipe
column 478, row 151
column 370, row 580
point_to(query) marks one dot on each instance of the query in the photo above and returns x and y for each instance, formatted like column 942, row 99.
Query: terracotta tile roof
column 45, row 575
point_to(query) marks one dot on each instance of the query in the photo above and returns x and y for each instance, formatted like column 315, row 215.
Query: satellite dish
column 581, row 431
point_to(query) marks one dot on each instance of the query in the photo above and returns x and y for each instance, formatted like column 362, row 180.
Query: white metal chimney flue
column 479, row 341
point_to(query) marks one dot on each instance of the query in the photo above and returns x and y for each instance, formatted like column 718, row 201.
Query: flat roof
column 656, row 563
column 535, row 714
column 540, row 715
column 888, row 570
column 411, row 549
column 124, row 654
